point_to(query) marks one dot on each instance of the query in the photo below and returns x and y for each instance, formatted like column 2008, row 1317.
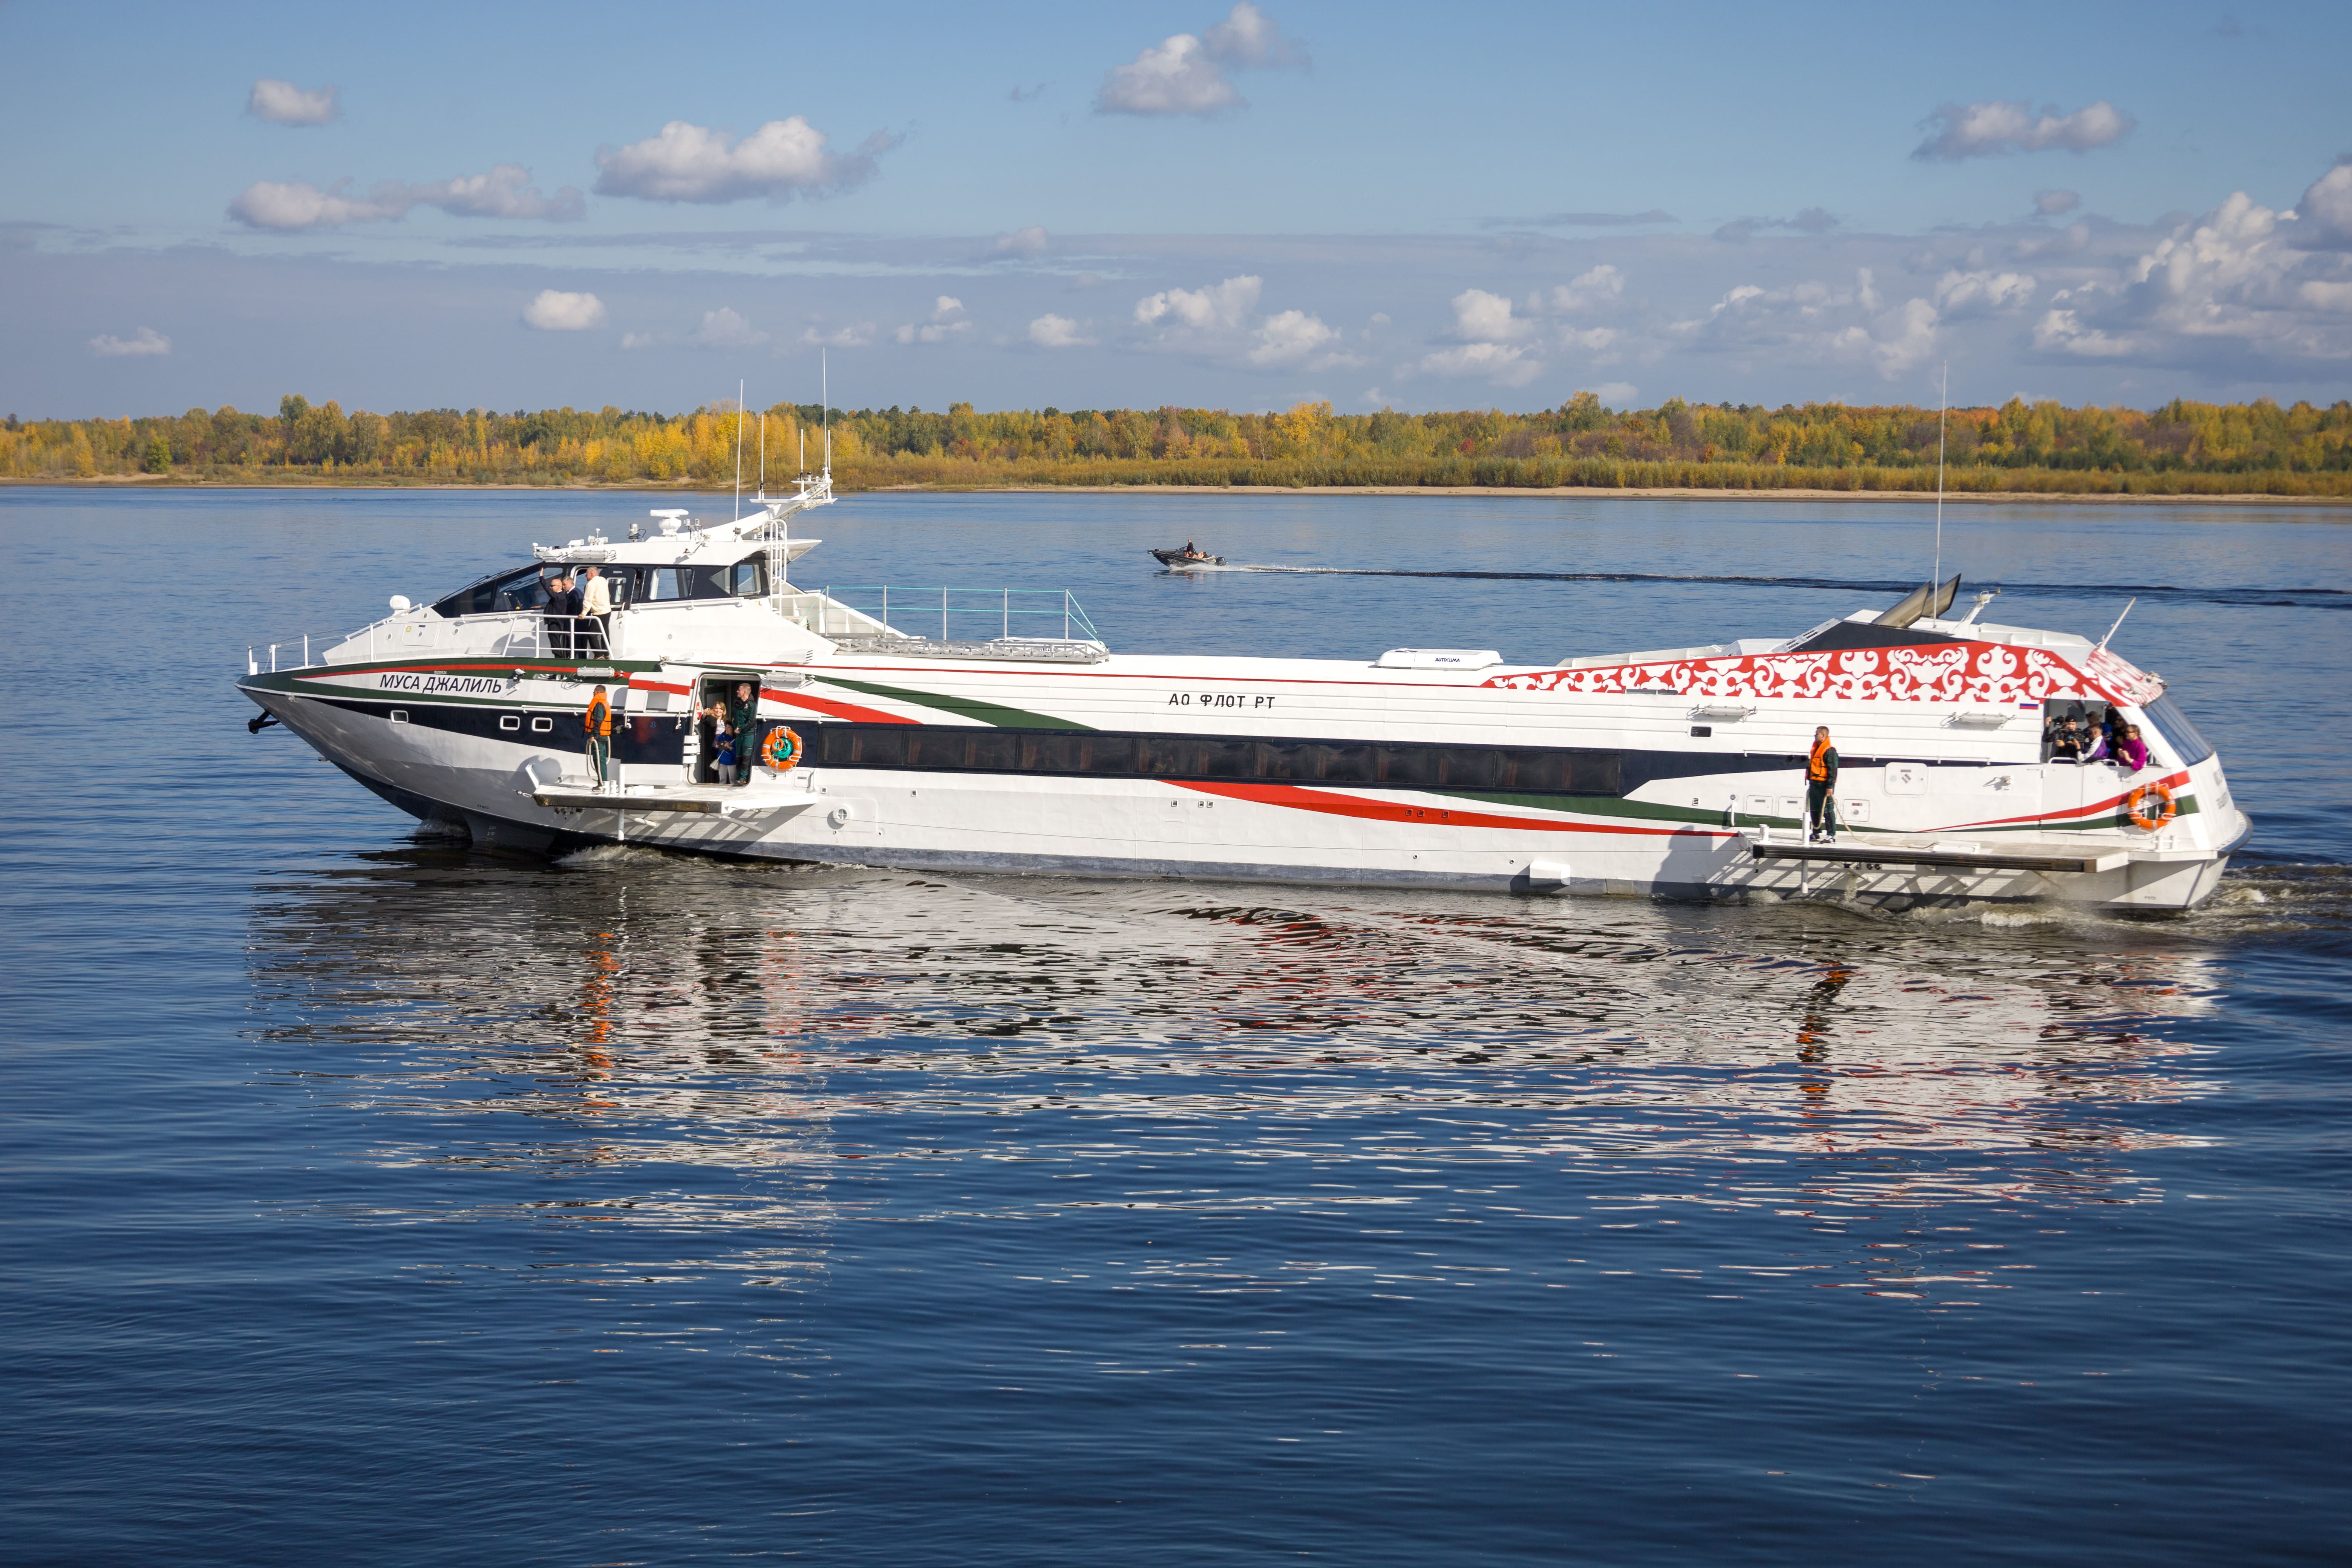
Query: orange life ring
column 782, row 749
column 2149, row 820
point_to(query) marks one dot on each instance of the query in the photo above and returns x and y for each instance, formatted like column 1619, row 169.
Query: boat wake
column 2272, row 598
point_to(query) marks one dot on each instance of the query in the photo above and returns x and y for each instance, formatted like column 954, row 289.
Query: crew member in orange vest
column 599, row 735
column 1820, row 789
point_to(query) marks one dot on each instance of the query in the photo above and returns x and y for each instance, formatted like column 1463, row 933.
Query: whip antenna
column 739, row 449
column 1935, row 573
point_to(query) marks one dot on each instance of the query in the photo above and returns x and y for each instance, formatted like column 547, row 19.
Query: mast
column 739, row 450
column 1935, row 571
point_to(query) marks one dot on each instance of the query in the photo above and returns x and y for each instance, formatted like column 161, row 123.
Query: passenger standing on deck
column 1820, row 789
column 563, row 603
column 599, row 725
column 596, row 604
column 722, row 753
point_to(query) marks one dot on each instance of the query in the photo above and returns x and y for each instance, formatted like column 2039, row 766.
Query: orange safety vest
column 1817, row 768
column 600, row 717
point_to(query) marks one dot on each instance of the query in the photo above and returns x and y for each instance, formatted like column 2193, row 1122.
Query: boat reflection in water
column 629, row 1010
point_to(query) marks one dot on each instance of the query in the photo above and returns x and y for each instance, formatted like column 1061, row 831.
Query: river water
column 369, row 1200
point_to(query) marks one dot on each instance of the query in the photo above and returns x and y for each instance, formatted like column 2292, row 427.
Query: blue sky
column 1235, row 204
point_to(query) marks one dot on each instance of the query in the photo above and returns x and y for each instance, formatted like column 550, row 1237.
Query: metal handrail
column 960, row 606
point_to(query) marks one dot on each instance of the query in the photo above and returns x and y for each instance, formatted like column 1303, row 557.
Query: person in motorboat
column 2093, row 747
column 2066, row 735
column 2131, row 751
column 599, row 726
column 722, row 753
column 1820, row 789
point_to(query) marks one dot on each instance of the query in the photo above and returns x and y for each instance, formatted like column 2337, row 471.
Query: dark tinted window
column 2180, row 737
column 522, row 590
column 1534, row 770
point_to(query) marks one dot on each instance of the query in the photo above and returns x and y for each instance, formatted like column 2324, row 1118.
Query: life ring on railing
column 2147, row 819
column 782, row 749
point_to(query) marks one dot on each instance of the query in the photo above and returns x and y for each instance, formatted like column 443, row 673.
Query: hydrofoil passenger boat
column 957, row 730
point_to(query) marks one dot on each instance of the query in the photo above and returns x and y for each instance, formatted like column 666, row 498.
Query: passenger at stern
column 722, row 753
column 599, row 726
column 1820, row 789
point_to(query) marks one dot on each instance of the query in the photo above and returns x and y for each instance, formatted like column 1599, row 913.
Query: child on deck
column 722, row 753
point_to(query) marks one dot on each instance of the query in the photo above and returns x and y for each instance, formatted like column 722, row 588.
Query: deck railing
column 969, row 613
column 958, row 614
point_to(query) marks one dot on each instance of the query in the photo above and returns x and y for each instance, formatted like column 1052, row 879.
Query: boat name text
column 493, row 685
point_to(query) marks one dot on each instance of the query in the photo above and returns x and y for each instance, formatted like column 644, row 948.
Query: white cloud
column 1603, row 285
column 504, row 192
column 853, row 335
column 1248, row 38
column 1498, row 363
column 1058, row 332
column 266, row 204
column 2049, row 203
column 1223, row 307
column 1029, row 241
column 638, row 339
column 724, row 329
column 948, row 320
column 283, row 104
column 1811, row 220
column 781, row 160
column 1617, row 394
column 1292, row 336
column 1997, row 126
column 1483, row 318
column 1965, row 293
column 1186, row 74
column 2243, row 293
column 2063, row 333
column 148, row 342
column 1221, row 322
column 553, row 311
column 1819, row 322
column 2327, row 209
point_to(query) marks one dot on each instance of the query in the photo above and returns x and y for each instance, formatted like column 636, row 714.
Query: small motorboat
column 1186, row 554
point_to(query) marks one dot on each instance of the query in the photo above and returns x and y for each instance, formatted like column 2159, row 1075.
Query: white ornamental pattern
column 1988, row 673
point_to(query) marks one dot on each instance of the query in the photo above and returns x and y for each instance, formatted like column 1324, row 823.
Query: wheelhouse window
column 522, row 591
column 2180, row 737
column 663, row 584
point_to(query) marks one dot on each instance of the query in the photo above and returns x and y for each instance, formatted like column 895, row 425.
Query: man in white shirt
column 596, row 604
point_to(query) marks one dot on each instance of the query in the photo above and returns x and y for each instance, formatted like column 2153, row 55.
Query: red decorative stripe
column 832, row 710
column 1334, row 805
column 2171, row 781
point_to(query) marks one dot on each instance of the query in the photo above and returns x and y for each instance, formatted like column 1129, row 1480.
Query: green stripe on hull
column 973, row 707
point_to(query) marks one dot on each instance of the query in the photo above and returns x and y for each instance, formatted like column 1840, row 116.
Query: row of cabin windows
column 524, row 592
column 1525, row 768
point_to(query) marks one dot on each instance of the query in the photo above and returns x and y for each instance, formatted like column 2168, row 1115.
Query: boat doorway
column 734, row 696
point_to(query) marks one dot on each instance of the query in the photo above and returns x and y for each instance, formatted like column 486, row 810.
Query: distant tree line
column 2179, row 448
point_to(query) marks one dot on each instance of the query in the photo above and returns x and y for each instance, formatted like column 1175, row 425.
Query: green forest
column 2182, row 447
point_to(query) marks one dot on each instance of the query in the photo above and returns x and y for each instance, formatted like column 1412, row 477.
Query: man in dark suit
column 562, row 605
